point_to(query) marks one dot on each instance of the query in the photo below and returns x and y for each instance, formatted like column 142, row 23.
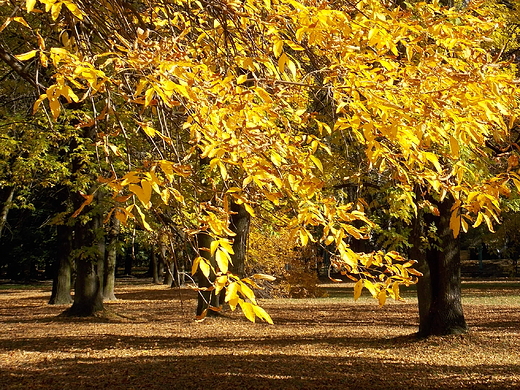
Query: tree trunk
column 5, row 209
column 439, row 291
column 88, row 292
column 240, row 222
column 206, row 300
column 155, row 266
column 110, row 261
column 130, row 257
column 62, row 281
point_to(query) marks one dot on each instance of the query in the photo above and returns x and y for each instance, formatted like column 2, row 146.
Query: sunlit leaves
column 412, row 90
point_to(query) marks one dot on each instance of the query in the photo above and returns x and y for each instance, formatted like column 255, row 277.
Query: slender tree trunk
column 110, row 261
column 155, row 265
column 62, row 281
column 5, row 209
column 206, row 300
column 439, row 291
column 167, row 263
column 240, row 222
column 130, row 257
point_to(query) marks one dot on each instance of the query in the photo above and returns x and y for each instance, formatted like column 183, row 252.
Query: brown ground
column 331, row 343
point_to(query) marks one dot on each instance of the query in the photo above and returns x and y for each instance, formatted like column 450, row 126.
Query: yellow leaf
column 455, row 220
column 264, row 277
column 249, row 209
column 148, row 96
column 226, row 245
column 73, row 9
column 55, row 10
column 241, row 79
column 247, row 292
column 278, row 48
column 150, row 131
column 263, row 94
column 223, row 259
column 231, row 291
column 282, row 62
column 370, row 287
column 317, row 162
column 143, row 218
column 304, row 238
column 21, row 20
column 276, row 158
column 205, row 267
column 88, row 200
column 195, row 265
column 29, row 4
column 143, row 192
column 434, row 160
column 220, row 283
column 26, row 56
column 247, row 309
column 479, row 220
column 55, row 106
column 291, row 66
column 381, row 297
column 454, row 147
column 358, row 287
column 395, row 291
column 262, row 314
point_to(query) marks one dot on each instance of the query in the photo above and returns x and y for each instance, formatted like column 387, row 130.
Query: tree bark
column 439, row 290
column 109, row 280
column 206, row 300
column 88, row 291
column 240, row 222
column 156, row 267
column 62, row 281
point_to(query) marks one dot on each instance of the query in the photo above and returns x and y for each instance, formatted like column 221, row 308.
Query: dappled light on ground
column 153, row 343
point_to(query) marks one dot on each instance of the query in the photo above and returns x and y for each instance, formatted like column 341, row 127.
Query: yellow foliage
column 416, row 89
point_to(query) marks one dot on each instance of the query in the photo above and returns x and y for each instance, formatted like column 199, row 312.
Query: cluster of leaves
column 226, row 92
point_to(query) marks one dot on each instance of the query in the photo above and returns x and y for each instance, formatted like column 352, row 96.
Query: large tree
column 238, row 84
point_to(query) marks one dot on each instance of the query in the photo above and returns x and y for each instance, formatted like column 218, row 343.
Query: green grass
column 495, row 292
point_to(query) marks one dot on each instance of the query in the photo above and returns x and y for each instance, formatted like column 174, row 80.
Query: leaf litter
column 152, row 342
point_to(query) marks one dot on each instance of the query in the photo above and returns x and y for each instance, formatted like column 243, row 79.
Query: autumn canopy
column 275, row 105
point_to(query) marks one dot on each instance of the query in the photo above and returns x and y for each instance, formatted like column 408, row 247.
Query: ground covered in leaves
column 326, row 343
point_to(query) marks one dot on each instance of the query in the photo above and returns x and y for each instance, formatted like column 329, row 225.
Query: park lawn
column 328, row 343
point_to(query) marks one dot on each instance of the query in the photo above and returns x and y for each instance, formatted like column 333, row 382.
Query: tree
column 414, row 88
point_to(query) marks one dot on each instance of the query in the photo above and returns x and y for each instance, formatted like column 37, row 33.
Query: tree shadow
column 255, row 371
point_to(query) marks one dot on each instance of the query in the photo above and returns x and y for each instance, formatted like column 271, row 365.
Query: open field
column 326, row 343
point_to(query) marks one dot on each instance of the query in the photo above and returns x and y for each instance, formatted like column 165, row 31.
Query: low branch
column 17, row 66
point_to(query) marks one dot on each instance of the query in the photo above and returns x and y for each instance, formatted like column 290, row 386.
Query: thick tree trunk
column 88, row 292
column 62, row 281
column 240, row 222
column 439, row 291
column 110, row 261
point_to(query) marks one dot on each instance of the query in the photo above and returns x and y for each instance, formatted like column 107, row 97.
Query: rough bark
column 439, row 290
column 88, row 291
column 62, row 282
